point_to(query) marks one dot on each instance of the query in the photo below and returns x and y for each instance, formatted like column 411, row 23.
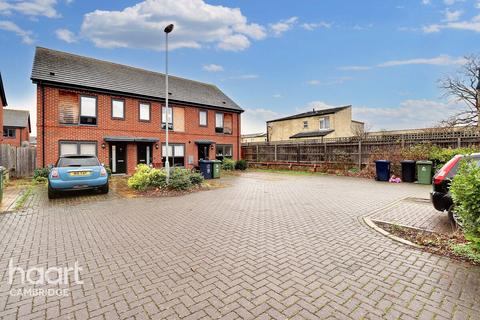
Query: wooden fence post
column 359, row 154
column 257, row 152
column 275, row 152
column 298, row 153
column 459, row 142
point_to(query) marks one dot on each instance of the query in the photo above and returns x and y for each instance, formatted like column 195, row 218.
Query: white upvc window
column 118, row 109
column 170, row 118
column 324, row 123
column 144, row 111
column 202, row 114
column 88, row 110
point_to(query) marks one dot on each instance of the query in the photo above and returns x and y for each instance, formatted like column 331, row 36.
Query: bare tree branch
column 463, row 87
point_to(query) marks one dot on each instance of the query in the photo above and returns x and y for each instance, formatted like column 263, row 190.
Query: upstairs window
column 9, row 133
column 202, row 115
column 144, row 112
column 305, row 124
column 170, row 118
column 118, row 109
column 88, row 110
column 219, row 122
column 324, row 123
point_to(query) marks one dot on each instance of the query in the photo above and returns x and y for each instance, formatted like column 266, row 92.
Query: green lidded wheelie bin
column 217, row 164
column 424, row 172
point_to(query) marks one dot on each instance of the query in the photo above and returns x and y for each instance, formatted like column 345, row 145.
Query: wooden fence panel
column 352, row 151
column 19, row 161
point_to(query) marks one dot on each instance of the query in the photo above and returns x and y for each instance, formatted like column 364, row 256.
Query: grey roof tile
column 16, row 118
column 320, row 112
column 70, row 69
column 311, row 134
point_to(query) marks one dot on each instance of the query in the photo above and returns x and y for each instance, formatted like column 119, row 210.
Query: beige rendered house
column 315, row 124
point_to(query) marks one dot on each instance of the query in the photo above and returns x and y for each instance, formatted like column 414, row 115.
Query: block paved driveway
column 268, row 247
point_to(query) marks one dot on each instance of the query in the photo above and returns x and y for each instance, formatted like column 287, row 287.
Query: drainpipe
column 43, row 124
column 239, row 142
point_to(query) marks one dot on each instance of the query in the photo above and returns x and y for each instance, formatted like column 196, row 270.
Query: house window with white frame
column 324, row 123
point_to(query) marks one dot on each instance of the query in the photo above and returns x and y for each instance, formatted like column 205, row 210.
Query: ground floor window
column 78, row 147
column 224, row 151
column 176, row 154
column 9, row 132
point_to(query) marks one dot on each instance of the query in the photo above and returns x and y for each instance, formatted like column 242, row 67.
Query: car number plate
column 80, row 173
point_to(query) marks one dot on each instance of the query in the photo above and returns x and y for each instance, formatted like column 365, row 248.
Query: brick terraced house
column 89, row 106
column 16, row 127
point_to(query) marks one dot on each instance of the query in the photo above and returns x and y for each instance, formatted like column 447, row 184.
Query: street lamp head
column 168, row 28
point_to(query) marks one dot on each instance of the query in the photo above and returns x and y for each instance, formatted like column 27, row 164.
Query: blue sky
column 273, row 58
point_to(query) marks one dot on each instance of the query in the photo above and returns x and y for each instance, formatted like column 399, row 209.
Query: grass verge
column 23, row 198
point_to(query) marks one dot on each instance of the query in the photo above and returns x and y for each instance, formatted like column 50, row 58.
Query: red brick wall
column 130, row 126
column 21, row 134
column 1, row 121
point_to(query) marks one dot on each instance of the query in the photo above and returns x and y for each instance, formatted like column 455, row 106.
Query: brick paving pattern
column 417, row 213
column 268, row 247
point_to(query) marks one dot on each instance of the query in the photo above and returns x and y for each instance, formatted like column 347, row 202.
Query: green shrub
column 157, row 178
column 241, row 165
column 417, row 152
column 141, row 178
column 196, row 178
column 440, row 156
column 467, row 251
column 41, row 172
column 228, row 164
column 180, row 180
column 40, row 180
column 465, row 191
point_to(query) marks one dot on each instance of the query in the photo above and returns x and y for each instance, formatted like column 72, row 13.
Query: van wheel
column 51, row 193
column 454, row 218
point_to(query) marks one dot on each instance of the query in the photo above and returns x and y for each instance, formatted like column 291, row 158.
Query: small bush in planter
column 180, row 180
column 196, row 178
column 241, row 165
column 141, row 178
column 157, row 178
column 228, row 164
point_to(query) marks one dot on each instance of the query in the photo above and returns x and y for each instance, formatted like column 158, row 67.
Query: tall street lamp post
column 167, row 30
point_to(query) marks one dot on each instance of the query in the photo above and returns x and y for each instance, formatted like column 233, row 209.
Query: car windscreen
column 77, row 162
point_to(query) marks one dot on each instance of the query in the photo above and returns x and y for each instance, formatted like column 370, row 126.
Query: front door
column 203, row 150
column 144, row 153
column 118, row 157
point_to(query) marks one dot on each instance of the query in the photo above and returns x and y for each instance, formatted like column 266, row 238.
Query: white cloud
column 212, row 68
column 329, row 82
column 451, row 16
column 426, row 2
column 316, row 25
column 26, row 35
column 451, row 2
column 410, row 114
column 245, row 77
column 442, row 60
column 277, row 96
column 65, row 35
column 254, row 120
column 197, row 24
column 282, row 26
column 30, row 8
column 454, row 24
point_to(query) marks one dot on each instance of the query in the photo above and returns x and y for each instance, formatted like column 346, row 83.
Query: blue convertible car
column 77, row 172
